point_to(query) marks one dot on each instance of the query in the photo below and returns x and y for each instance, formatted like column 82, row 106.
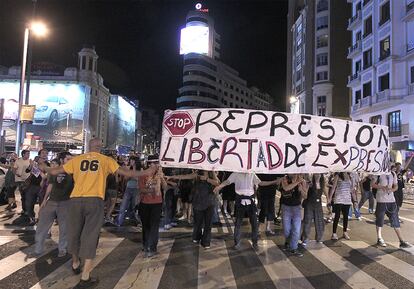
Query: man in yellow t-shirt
column 86, row 206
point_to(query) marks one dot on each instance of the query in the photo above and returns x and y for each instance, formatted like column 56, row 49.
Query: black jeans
column 203, row 220
column 251, row 211
column 31, row 195
column 337, row 209
column 169, row 207
column 267, row 209
column 150, row 217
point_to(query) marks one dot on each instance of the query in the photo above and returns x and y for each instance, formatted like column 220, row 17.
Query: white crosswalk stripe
column 216, row 269
column 387, row 260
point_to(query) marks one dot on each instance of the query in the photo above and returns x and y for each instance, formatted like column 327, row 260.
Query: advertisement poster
column 121, row 126
column 240, row 140
column 59, row 115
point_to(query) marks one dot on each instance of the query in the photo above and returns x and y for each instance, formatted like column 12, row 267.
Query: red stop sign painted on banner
column 179, row 123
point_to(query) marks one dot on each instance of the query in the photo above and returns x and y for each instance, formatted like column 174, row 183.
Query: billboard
column 194, row 39
column 121, row 127
column 59, row 115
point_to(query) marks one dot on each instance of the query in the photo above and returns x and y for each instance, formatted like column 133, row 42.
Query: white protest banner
column 269, row 142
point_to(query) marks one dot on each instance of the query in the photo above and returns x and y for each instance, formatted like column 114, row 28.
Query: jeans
column 169, row 207
column 292, row 221
column 31, row 195
column 367, row 195
column 356, row 210
column 128, row 202
column 251, row 211
column 202, row 225
column 52, row 210
column 150, row 217
column 313, row 212
column 215, row 215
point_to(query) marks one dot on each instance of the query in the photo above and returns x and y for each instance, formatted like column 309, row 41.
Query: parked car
column 50, row 111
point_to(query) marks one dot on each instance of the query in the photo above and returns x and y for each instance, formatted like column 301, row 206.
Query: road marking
column 6, row 239
column 397, row 245
column 146, row 273
column 349, row 273
column 18, row 260
column 63, row 276
column 401, row 268
column 224, row 224
column 279, row 268
column 214, row 267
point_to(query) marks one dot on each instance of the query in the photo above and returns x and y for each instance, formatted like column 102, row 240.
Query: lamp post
column 38, row 29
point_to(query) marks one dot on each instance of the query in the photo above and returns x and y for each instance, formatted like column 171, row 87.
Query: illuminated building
column 317, row 68
column 382, row 78
column 207, row 82
column 72, row 104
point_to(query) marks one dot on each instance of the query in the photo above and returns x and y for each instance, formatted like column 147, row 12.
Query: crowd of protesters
column 82, row 193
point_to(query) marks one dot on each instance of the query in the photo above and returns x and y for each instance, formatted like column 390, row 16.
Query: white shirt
column 386, row 196
column 21, row 165
column 244, row 184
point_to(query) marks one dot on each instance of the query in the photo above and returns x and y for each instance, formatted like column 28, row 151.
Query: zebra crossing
column 181, row 264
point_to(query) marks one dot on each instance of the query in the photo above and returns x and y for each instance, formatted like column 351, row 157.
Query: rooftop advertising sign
column 194, row 39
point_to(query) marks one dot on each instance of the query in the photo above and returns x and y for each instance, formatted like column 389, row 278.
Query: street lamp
column 38, row 29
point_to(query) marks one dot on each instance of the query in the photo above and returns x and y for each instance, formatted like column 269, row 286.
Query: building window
column 367, row 58
column 366, row 89
column 90, row 64
column 225, row 93
column 321, row 105
column 358, row 7
column 384, row 82
column 368, row 26
column 358, row 66
column 412, row 74
column 357, row 96
column 385, row 48
column 384, row 13
column 322, row 5
column 366, row 2
column 201, row 62
column 376, row 119
column 394, row 123
column 231, row 86
column 323, row 75
column 322, row 41
column 322, row 59
column 322, row 22
column 358, row 35
column 83, row 62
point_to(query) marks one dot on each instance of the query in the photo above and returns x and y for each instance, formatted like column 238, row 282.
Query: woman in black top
column 203, row 204
column 313, row 209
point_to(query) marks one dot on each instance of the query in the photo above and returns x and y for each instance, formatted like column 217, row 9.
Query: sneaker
column 237, row 246
column 334, row 237
column 319, row 242
column 276, row 221
column 304, row 243
column 346, row 236
column 329, row 220
column 196, row 241
column 255, row 246
column 206, row 247
column 90, row 283
column 381, row 243
column 370, row 211
column 151, row 253
column 167, row 227
column 359, row 219
column 404, row 244
column 76, row 270
column 270, row 233
column 296, row 253
column 173, row 224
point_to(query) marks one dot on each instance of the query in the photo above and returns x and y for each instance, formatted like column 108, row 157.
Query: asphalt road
column 356, row 263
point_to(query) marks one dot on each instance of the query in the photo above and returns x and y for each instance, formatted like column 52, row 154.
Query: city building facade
column 72, row 105
column 382, row 79
column 208, row 82
column 317, row 67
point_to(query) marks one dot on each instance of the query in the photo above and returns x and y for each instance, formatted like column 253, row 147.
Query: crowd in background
column 185, row 197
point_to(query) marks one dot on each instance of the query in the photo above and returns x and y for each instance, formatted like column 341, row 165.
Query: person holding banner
column 245, row 185
column 313, row 209
column 341, row 191
column 204, row 202
column 294, row 190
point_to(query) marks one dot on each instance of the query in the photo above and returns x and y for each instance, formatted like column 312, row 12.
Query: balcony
column 354, row 79
column 383, row 96
column 364, row 102
column 384, row 54
column 410, row 47
column 409, row 12
column 354, row 21
column 354, row 50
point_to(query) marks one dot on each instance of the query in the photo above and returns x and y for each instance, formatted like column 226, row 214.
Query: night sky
column 138, row 41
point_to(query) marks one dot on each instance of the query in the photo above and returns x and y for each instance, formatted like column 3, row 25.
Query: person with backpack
column 386, row 185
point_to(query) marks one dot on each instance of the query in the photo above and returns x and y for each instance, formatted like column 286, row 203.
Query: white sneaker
column 346, row 236
column 167, row 227
column 334, row 237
